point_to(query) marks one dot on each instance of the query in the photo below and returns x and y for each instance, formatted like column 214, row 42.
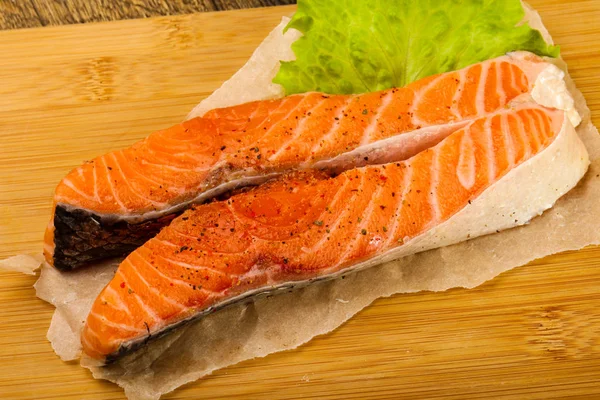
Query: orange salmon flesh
column 114, row 203
column 309, row 225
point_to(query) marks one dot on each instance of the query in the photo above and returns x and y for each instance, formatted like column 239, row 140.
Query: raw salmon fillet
column 494, row 173
column 115, row 202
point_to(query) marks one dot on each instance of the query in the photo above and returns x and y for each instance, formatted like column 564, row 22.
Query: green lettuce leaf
column 357, row 46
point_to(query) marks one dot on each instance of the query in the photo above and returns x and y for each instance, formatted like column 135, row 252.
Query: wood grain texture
column 15, row 14
column 34, row 13
column 70, row 93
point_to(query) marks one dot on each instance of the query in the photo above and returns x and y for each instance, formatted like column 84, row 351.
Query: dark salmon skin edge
column 81, row 236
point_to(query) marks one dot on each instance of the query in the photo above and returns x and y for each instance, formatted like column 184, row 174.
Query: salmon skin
column 496, row 172
column 115, row 202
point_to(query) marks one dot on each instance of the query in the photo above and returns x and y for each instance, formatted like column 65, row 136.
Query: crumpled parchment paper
column 286, row 321
column 23, row 263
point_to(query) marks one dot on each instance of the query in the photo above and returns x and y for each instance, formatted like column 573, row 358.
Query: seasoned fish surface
column 483, row 177
column 117, row 201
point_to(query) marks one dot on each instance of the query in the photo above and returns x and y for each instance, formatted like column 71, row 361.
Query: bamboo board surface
column 70, row 93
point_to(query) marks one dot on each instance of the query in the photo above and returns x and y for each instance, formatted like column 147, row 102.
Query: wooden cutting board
column 70, row 93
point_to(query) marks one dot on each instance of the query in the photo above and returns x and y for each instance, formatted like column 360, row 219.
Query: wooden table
column 69, row 93
column 34, row 13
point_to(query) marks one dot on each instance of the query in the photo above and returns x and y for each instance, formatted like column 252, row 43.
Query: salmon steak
column 114, row 203
column 487, row 175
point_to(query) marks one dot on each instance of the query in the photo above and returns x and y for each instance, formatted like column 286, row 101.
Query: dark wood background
column 34, row 13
